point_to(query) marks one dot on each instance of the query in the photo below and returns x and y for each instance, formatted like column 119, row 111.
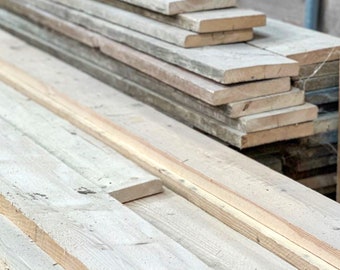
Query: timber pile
column 211, row 88
column 310, row 160
column 243, row 103
column 70, row 215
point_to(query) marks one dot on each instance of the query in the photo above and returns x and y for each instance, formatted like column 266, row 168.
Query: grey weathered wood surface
column 188, row 82
column 319, row 69
column 70, row 11
column 230, row 130
column 70, row 222
column 226, row 19
column 326, row 122
column 93, row 160
column 312, row 164
column 323, row 96
column 143, row 122
column 220, row 63
column 171, row 7
column 247, row 107
column 315, row 83
column 17, row 251
column 203, row 235
column 301, row 44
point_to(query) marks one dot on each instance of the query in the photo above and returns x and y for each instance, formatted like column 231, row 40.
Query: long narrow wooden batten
column 176, row 173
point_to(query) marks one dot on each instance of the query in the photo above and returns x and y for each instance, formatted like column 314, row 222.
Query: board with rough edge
column 201, row 22
column 303, row 45
column 165, row 32
column 69, row 221
column 188, row 82
column 220, row 63
column 257, row 182
column 93, row 160
column 171, row 7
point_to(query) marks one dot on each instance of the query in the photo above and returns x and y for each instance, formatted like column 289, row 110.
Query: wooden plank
column 292, row 98
column 171, row 7
column 319, row 181
column 323, row 96
column 220, row 63
column 190, row 83
column 139, row 23
column 211, row 126
column 330, row 137
column 203, row 234
column 18, row 252
column 272, row 162
column 301, row 152
column 70, row 221
column 218, row 20
column 116, row 175
column 310, row 164
column 301, row 44
column 199, row 120
column 319, row 69
column 251, row 179
column 316, row 83
column 277, row 118
column 326, row 122
column 327, row 190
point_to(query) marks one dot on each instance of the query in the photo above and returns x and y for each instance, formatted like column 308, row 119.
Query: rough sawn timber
column 220, row 63
column 171, row 7
column 168, row 33
column 202, row 21
column 188, row 82
column 79, row 228
column 303, row 237
column 18, row 252
column 303, row 45
column 92, row 159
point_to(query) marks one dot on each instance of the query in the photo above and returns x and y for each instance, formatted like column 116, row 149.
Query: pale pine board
column 18, row 252
column 203, row 21
column 171, row 7
column 199, row 120
column 220, row 63
column 204, row 235
column 247, row 107
column 188, row 82
column 42, row 196
column 153, row 159
column 251, row 179
column 116, row 74
column 301, row 44
column 92, row 159
column 139, row 23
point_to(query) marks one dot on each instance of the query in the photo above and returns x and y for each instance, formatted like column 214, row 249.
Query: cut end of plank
column 218, row 38
column 139, row 191
column 262, row 72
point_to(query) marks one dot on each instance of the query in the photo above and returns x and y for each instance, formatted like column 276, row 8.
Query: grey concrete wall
column 293, row 11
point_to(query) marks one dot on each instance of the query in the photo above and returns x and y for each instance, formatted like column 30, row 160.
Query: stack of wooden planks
column 236, row 92
column 310, row 160
column 69, row 214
